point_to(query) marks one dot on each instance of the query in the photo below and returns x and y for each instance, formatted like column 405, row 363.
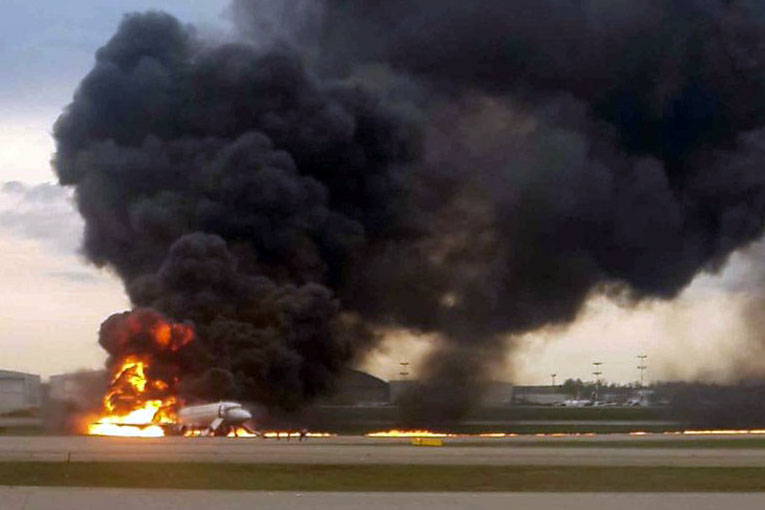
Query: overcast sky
column 52, row 301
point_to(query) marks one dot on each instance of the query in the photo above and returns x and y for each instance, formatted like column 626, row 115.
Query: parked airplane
column 576, row 403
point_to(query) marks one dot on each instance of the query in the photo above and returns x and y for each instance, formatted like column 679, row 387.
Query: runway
column 32, row 498
column 361, row 450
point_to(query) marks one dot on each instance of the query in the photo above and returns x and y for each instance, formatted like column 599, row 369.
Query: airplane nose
column 238, row 415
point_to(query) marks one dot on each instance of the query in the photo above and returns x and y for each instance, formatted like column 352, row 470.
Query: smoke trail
column 473, row 169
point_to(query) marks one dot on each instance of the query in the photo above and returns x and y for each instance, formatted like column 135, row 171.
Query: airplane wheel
column 222, row 431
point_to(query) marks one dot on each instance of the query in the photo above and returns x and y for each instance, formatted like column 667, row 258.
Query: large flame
column 130, row 383
column 409, row 433
column 138, row 402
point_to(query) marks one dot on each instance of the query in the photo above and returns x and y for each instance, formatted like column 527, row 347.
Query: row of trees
column 577, row 388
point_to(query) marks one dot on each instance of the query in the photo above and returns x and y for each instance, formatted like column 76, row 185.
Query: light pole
column 597, row 373
column 553, row 376
column 642, row 367
column 404, row 369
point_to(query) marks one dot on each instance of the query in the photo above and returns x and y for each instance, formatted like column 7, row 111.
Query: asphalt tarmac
column 34, row 498
column 361, row 450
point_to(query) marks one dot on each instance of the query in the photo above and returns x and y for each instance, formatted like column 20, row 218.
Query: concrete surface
column 33, row 498
column 357, row 450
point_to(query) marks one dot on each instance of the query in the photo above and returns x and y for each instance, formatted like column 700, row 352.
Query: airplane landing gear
column 221, row 431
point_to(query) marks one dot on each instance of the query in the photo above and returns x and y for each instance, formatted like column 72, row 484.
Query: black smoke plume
column 476, row 169
column 231, row 188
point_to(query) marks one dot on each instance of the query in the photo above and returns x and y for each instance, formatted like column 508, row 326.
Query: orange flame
column 753, row 432
column 409, row 433
column 142, row 418
column 137, row 404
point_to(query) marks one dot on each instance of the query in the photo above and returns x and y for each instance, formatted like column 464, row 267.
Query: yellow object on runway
column 426, row 441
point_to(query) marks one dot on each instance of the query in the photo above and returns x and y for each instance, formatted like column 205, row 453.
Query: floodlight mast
column 597, row 372
column 642, row 366
column 404, row 369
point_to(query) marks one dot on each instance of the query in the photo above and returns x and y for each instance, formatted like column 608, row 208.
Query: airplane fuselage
column 213, row 418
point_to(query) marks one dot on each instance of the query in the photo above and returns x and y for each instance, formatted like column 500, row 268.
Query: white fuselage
column 576, row 403
column 213, row 416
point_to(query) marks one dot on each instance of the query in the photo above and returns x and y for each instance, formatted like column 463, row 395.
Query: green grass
column 275, row 477
column 360, row 420
column 523, row 430
column 747, row 443
column 557, row 429
column 569, row 413
column 392, row 415
column 21, row 413
column 22, row 431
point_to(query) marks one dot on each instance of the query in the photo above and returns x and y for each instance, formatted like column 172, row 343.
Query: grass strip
column 749, row 443
column 405, row 478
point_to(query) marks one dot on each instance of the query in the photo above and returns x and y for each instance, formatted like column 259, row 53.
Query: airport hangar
column 18, row 391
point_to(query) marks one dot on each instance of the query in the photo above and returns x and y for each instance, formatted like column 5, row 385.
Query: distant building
column 400, row 387
column 359, row 388
column 18, row 391
column 496, row 393
column 641, row 398
column 539, row 395
column 554, row 395
column 82, row 389
column 617, row 395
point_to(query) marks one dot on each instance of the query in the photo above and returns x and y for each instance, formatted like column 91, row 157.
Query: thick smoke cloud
column 628, row 137
column 477, row 169
column 231, row 188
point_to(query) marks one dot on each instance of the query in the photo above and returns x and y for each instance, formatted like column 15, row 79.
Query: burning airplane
column 381, row 168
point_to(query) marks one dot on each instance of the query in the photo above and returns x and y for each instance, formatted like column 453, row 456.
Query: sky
column 52, row 301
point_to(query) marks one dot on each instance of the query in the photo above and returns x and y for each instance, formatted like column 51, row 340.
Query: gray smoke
column 475, row 169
